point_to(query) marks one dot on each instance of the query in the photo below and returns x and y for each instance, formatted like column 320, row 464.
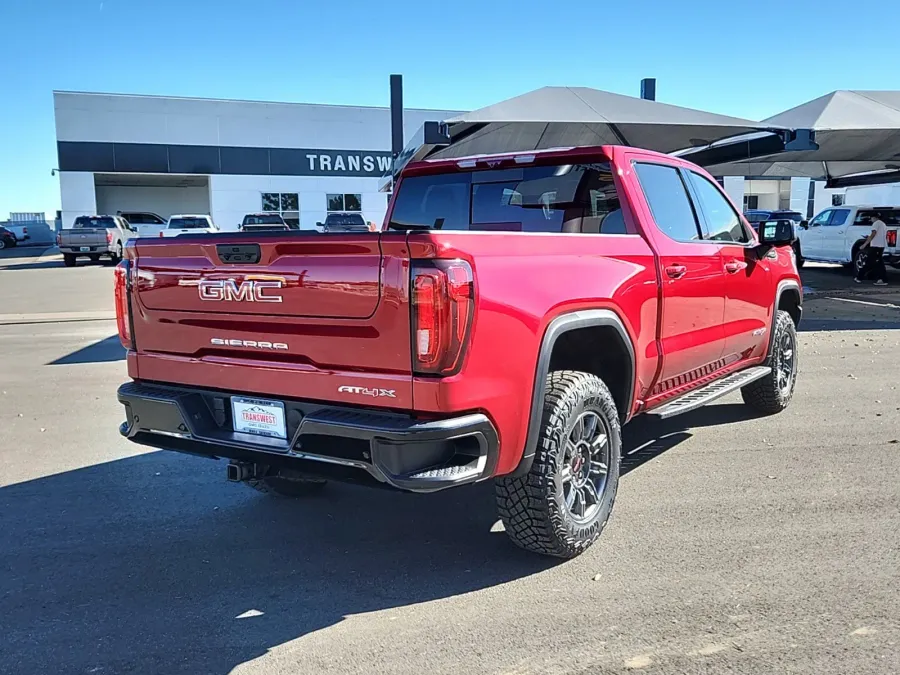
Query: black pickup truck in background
column 345, row 222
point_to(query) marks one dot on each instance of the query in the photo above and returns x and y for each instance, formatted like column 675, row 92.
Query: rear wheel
column 561, row 505
column 772, row 393
column 117, row 256
column 2, row 243
column 858, row 260
column 69, row 260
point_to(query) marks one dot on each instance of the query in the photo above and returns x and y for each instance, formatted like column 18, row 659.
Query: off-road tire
column 68, row 260
column 286, row 487
column 765, row 395
column 531, row 506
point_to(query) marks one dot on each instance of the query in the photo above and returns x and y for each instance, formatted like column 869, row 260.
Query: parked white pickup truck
column 188, row 224
column 835, row 235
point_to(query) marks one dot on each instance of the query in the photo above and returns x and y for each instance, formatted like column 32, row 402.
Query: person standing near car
column 876, row 241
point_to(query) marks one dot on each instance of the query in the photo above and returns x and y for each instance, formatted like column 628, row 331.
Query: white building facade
column 226, row 158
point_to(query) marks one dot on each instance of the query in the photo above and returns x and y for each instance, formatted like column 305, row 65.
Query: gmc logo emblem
column 229, row 290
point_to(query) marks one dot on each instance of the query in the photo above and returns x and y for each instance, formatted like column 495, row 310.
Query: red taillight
column 443, row 307
column 123, row 320
column 58, row 238
column 109, row 236
column 892, row 238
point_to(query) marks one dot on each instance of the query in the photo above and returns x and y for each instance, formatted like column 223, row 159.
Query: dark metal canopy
column 858, row 139
column 559, row 117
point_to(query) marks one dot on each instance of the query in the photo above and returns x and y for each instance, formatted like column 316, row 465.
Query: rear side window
column 667, row 196
column 188, row 224
column 348, row 219
column 890, row 217
column 722, row 220
column 563, row 198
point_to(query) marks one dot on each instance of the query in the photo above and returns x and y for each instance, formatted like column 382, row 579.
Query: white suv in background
column 188, row 224
column 835, row 234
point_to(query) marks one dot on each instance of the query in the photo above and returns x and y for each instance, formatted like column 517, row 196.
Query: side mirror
column 804, row 225
column 319, row 225
column 776, row 233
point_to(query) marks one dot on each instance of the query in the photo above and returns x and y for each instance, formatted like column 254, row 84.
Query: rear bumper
column 93, row 250
column 334, row 442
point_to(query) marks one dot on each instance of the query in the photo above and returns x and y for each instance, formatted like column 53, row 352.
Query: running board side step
column 700, row 397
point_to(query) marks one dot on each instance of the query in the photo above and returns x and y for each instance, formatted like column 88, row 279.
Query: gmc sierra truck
column 511, row 315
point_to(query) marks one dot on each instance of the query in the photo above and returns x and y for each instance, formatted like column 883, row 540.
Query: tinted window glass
column 838, row 217
column 820, row 219
column 264, row 219
column 564, row 198
column 890, row 217
column 344, row 219
column 85, row 221
column 668, row 199
column 188, row 223
column 721, row 219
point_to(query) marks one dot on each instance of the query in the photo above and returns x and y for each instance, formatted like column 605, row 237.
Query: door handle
column 735, row 266
column 676, row 271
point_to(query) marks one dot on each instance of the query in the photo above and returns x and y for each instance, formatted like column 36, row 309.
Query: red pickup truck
column 511, row 315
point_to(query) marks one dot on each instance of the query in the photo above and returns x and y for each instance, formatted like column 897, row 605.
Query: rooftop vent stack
column 648, row 89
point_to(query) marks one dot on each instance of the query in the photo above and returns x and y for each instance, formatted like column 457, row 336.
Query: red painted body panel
column 345, row 315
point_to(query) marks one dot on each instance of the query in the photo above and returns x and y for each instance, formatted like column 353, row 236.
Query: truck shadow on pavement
column 154, row 564
column 106, row 350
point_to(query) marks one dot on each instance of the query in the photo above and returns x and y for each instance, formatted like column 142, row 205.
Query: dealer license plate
column 259, row 416
column 85, row 248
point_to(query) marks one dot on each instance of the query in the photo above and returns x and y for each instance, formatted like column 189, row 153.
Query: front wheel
column 772, row 393
column 560, row 507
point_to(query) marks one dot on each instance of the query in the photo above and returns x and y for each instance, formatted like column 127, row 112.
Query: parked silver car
column 95, row 236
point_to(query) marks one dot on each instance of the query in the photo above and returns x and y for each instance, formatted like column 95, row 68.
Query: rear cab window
column 189, row 224
column 561, row 198
column 865, row 217
column 95, row 222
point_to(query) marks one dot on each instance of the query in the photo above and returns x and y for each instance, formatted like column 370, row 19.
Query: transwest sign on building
column 100, row 157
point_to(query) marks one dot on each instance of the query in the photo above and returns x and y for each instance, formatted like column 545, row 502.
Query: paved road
column 738, row 545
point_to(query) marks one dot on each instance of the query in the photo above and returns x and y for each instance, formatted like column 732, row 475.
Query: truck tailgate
column 83, row 236
column 294, row 315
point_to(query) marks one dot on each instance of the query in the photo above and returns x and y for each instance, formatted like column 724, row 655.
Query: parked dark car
column 7, row 238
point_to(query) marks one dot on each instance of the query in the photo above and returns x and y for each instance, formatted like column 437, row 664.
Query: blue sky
column 748, row 59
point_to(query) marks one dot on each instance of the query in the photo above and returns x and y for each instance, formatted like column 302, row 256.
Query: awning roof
column 856, row 131
column 578, row 116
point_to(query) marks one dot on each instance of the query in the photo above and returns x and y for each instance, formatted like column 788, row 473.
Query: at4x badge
column 366, row 391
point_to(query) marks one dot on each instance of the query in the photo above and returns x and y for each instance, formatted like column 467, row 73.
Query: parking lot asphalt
column 738, row 544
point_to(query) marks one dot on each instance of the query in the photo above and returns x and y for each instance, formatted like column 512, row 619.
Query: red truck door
column 693, row 279
column 748, row 289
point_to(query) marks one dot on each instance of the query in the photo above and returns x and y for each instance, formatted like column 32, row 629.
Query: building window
column 285, row 203
column 343, row 203
column 751, row 202
column 837, row 200
column 784, row 195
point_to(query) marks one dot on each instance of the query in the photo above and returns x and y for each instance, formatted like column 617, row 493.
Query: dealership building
column 170, row 155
